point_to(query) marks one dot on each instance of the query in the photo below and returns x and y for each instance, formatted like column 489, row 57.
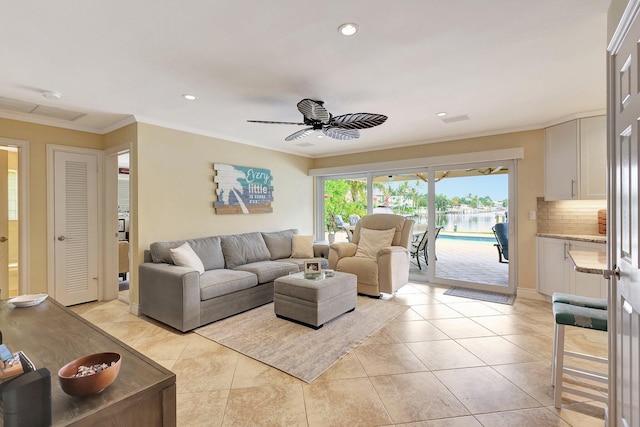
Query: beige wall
column 38, row 137
column 530, row 180
column 173, row 172
column 173, row 189
column 124, row 135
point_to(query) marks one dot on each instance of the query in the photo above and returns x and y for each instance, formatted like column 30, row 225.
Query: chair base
column 562, row 313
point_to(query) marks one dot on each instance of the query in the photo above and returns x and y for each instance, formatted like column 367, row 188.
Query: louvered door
column 76, row 227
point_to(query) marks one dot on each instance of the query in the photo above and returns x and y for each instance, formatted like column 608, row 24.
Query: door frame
column 110, row 224
column 24, row 284
column 512, row 184
column 51, row 150
column 430, row 164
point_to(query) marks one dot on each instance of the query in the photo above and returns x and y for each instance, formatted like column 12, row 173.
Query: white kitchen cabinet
column 553, row 271
column 556, row 272
column 576, row 159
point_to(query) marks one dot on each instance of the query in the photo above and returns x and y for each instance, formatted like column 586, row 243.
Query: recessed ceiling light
column 189, row 97
column 52, row 95
column 441, row 114
column 348, row 29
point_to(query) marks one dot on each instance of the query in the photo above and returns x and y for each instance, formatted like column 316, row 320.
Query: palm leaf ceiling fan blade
column 277, row 123
column 300, row 134
column 340, row 133
column 358, row 120
column 314, row 110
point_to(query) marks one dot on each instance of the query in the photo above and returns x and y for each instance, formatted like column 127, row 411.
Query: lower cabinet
column 556, row 271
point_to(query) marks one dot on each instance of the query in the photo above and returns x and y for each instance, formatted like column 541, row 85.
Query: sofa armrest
column 321, row 250
column 170, row 294
column 341, row 250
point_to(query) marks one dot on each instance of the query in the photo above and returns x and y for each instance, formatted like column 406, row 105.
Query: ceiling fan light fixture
column 441, row 114
column 348, row 29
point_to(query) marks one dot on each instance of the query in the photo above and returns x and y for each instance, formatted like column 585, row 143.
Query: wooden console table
column 144, row 394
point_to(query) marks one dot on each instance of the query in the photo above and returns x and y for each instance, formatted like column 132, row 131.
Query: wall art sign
column 243, row 189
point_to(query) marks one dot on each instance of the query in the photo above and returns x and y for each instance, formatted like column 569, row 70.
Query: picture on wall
column 243, row 190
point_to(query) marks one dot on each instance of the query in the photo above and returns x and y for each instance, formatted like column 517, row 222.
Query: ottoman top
column 296, row 286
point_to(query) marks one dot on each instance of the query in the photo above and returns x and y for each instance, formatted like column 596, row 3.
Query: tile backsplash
column 569, row 216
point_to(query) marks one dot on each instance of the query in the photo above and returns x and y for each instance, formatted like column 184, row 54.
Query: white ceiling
column 506, row 64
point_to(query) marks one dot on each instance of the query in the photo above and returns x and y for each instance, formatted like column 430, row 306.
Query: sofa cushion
column 239, row 249
column 324, row 263
column 279, row 243
column 371, row 241
column 184, row 256
column 302, row 246
column 214, row 283
column 268, row 271
column 208, row 249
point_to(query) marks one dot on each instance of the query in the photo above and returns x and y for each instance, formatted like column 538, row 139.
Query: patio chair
column 501, row 231
column 353, row 219
column 419, row 247
column 349, row 230
column 339, row 221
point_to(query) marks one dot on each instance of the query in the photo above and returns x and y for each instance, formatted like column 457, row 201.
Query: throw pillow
column 371, row 241
column 185, row 256
column 301, row 246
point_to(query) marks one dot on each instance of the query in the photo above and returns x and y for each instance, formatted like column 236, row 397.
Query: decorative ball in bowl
column 90, row 374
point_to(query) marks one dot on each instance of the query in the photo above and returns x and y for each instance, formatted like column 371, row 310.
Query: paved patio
column 465, row 260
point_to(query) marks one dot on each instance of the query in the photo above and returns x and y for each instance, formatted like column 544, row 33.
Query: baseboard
column 531, row 294
column 134, row 309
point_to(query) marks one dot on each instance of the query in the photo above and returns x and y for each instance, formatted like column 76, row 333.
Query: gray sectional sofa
column 239, row 273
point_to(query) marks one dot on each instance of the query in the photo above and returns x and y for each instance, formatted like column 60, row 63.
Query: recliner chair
column 387, row 269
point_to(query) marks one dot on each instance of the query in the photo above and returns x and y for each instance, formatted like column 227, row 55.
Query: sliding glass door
column 455, row 209
column 469, row 202
column 345, row 201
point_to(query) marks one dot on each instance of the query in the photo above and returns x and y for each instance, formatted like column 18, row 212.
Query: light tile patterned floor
column 448, row 361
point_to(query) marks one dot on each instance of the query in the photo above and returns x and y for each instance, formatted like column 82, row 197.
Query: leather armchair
column 389, row 269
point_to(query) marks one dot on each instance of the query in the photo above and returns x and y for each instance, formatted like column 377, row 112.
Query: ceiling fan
column 343, row 127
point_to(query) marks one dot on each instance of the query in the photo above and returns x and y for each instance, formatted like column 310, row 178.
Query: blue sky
column 495, row 186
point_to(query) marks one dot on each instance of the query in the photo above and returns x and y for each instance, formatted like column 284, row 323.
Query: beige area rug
column 299, row 350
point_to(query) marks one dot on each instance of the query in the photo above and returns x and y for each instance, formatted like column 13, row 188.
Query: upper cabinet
column 575, row 162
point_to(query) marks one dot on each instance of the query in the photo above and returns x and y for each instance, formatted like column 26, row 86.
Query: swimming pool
column 469, row 238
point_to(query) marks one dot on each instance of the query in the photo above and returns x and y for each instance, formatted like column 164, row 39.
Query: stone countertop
column 593, row 238
column 591, row 262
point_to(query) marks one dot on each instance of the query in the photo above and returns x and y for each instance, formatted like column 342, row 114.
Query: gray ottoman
column 311, row 302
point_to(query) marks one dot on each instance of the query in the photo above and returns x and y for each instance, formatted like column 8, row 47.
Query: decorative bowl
column 28, row 300
column 90, row 384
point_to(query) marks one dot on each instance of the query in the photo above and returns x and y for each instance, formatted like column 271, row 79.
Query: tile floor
column 448, row 361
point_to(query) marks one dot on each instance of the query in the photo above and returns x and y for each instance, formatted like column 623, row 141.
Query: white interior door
column 76, row 227
column 624, row 293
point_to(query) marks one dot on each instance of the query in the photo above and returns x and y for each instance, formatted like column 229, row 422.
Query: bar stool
column 583, row 312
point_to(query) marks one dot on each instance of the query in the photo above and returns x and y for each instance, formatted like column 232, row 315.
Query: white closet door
column 76, row 228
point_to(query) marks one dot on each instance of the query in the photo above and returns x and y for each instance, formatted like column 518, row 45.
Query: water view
column 469, row 223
